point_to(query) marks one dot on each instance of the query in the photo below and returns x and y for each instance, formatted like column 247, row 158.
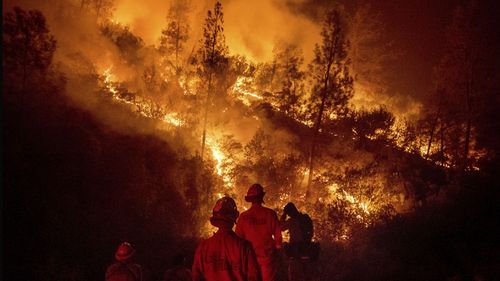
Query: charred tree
column 332, row 83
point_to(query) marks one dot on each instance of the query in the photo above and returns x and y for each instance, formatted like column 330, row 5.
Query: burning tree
column 286, row 79
column 101, row 9
column 213, row 60
column 174, row 36
column 332, row 86
column 370, row 52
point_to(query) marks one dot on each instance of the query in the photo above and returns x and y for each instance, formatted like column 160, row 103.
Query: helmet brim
column 219, row 221
column 255, row 198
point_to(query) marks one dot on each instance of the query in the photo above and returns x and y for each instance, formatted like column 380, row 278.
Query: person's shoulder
column 305, row 219
column 305, row 216
column 245, row 213
column 269, row 210
column 115, row 265
column 205, row 241
column 112, row 266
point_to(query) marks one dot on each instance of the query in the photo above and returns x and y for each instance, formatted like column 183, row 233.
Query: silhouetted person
column 178, row 271
column 225, row 256
column 301, row 251
column 124, row 269
column 261, row 227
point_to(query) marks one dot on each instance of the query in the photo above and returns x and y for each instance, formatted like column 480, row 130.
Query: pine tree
column 212, row 59
column 462, row 78
column 175, row 35
column 370, row 51
column 332, row 83
column 28, row 45
column 289, row 77
column 102, row 9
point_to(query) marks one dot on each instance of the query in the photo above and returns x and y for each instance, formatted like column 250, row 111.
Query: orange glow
column 252, row 33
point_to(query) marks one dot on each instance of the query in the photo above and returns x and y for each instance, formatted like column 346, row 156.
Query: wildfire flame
column 245, row 91
column 144, row 107
column 241, row 90
column 222, row 168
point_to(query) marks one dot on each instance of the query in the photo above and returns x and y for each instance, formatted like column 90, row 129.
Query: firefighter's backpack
column 306, row 226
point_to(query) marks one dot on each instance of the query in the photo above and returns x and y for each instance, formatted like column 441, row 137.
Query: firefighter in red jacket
column 261, row 227
column 225, row 256
column 123, row 269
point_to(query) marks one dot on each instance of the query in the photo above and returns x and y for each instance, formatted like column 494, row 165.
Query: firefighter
column 225, row 256
column 124, row 269
column 261, row 227
column 301, row 250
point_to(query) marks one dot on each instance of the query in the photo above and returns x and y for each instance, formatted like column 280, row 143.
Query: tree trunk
column 25, row 59
column 442, row 143
column 207, row 105
column 468, row 127
column 98, row 9
column 177, row 49
column 467, row 144
column 434, row 125
column 317, row 127
column 205, row 118
column 207, row 102
column 273, row 73
column 431, row 136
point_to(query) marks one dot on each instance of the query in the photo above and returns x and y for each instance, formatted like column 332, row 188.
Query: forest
column 111, row 137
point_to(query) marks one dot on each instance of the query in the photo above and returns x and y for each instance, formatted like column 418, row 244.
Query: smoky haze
column 252, row 29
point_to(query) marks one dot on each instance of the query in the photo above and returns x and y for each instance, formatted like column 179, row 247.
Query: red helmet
column 255, row 193
column 124, row 251
column 225, row 210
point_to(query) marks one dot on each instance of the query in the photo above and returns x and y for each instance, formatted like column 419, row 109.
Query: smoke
column 83, row 52
column 251, row 28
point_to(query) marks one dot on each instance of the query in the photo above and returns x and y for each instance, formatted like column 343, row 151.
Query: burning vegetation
column 309, row 130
